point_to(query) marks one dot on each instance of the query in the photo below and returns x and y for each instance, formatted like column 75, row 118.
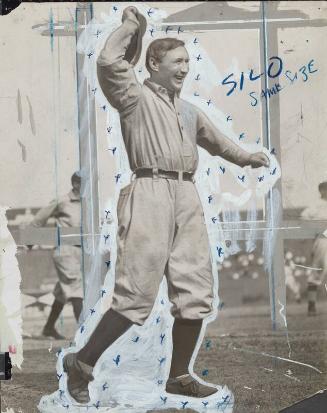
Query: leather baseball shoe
column 52, row 332
column 79, row 375
column 188, row 386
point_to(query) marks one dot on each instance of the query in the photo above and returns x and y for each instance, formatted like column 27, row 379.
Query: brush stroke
column 31, row 116
column 19, row 107
column 23, row 148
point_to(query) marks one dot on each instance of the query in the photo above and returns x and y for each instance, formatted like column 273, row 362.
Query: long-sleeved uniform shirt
column 156, row 131
column 316, row 211
column 66, row 211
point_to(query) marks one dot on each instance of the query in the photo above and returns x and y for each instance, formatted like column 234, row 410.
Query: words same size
column 275, row 70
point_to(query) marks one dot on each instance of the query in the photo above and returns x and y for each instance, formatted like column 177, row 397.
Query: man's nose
column 185, row 68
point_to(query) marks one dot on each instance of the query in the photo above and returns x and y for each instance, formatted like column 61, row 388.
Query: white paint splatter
column 282, row 314
column 292, row 377
column 309, row 268
column 10, row 302
column 278, row 358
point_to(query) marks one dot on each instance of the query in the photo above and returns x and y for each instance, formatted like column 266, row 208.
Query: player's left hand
column 258, row 159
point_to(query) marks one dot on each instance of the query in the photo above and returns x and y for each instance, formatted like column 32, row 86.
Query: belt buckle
column 155, row 173
column 132, row 178
column 180, row 177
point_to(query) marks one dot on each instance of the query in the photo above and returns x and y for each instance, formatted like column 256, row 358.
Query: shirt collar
column 73, row 197
column 158, row 89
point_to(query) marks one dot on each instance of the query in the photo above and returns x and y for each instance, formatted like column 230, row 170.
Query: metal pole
column 88, row 155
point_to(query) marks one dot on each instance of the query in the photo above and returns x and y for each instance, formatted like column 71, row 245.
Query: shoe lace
column 85, row 376
column 194, row 387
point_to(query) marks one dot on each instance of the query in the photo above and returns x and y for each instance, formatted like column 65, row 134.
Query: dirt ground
column 238, row 351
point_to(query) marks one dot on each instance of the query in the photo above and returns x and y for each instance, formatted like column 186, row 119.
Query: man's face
column 76, row 186
column 173, row 68
column 323, row 193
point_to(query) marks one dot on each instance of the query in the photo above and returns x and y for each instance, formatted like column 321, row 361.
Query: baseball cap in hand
column 134, row 50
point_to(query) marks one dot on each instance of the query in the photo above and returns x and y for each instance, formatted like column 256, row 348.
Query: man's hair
column 76, row 177
column 159, row 47
column 322, row 186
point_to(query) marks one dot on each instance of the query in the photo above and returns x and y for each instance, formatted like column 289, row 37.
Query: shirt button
column 182, row 127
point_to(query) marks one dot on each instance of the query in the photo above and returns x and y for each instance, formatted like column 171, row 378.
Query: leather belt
column 160, row 173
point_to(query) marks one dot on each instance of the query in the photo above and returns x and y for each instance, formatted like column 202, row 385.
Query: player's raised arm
column 216, row 143
column 116, row 60
column 44, row 214
column 310, row 212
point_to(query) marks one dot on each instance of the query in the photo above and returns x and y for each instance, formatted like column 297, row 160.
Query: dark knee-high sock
column 77, row 304
column 110, row 328
column 56, row 309
column 312, row 294
column 185, row 336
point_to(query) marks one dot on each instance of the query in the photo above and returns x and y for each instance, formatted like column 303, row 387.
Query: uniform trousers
column 162, row 232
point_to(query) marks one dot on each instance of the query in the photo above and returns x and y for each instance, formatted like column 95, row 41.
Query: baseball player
column 161, row 226
column 67, row 258
column 290, row 278
column 317, row 275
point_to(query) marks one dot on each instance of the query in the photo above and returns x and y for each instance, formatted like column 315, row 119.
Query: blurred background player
column 67, row 258
column 290, row 276
column 316, row 276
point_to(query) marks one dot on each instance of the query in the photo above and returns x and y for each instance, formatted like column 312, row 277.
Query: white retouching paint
column 135, row 381
column 288, row 360
column 274, row 211
column 10, row 302
column 251, row 217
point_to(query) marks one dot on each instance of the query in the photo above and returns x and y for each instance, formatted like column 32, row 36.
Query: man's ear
column 154, row 64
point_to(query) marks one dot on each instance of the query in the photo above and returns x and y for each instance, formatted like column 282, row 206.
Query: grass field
column 240, row 349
